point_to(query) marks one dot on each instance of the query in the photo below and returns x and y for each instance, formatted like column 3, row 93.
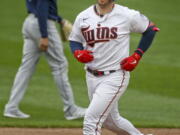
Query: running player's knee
column 108, row 124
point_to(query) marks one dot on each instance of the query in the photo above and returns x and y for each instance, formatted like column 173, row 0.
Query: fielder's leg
column 29, row 60
column 59, row 67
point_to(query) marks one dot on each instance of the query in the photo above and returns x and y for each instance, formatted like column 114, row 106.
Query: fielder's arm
column 42, row 15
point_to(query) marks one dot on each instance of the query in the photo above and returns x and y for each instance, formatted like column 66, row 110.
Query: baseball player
column 100, row 39
column 41, row 37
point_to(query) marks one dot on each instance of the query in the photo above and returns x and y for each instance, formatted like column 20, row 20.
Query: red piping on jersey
column 110, row 102
column 97, row 11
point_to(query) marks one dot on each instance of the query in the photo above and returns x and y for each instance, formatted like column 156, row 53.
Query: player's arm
column 42, row 15
column 76, row 39
column 83, row 56
column 147, row 38
column 131, row 62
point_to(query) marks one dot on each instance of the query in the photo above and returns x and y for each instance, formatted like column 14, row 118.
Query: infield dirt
column 78, row 131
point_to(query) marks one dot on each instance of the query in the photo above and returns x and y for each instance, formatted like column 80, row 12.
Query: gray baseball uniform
column 32, row 32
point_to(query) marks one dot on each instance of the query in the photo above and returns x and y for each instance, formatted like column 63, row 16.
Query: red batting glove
column 129, row 63
column 83, row 56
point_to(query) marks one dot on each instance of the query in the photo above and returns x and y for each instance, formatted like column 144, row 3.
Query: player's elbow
column 151, row 28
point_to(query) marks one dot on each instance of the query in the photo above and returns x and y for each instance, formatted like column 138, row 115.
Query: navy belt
column 100, row 73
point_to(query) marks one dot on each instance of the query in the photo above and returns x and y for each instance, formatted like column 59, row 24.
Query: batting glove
column 83, row 56
column 129, row 63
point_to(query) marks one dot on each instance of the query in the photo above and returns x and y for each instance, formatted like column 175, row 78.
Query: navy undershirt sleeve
column 59, row 19
column 42, row 15
column 146, row 40
column 75, row 46
column 53, row 11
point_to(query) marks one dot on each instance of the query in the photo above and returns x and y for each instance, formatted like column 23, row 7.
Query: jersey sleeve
column 42, row 15
column 138, row 22
column 76, row 34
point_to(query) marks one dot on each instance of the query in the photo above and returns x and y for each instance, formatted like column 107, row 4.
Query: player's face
column 104, row 3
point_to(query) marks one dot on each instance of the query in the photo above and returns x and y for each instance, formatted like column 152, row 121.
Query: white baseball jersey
column 107, row 36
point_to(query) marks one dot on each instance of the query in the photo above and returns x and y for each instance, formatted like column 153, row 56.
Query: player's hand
column 83, row 56
column 129, row 63
column 44, row 44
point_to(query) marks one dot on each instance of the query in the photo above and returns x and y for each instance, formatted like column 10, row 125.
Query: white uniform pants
column 31, row 54
column 104, row 93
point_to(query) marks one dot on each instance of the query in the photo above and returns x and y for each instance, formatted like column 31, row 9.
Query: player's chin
column 104, row 3
column 101, row 2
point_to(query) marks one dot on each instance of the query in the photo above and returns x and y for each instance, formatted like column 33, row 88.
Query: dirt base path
column 78, row 131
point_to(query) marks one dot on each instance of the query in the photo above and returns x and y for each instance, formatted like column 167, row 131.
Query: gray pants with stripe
column 31, row 54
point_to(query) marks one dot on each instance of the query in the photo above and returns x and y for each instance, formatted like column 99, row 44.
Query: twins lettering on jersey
column 99, row 34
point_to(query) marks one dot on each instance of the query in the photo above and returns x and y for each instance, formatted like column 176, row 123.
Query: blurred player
column 100, row 39
column 41, row 37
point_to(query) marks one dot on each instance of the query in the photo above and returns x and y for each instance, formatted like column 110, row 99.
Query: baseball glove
column 65, row 30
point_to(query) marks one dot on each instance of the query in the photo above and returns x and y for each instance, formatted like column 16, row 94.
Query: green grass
column 152, row 98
